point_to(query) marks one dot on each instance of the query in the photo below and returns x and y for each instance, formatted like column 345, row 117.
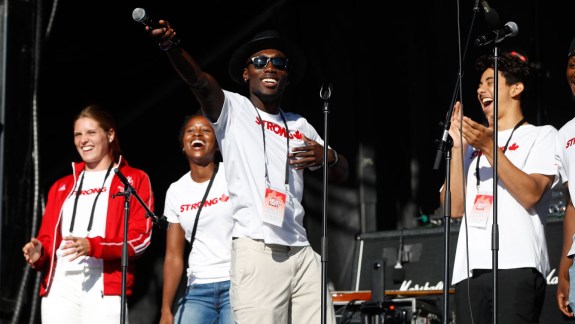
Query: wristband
column 167, row 47
column 335, row 160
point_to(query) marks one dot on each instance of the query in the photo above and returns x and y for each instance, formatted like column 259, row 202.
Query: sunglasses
column 260, row 62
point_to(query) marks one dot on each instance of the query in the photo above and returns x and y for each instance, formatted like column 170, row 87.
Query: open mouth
column 486, row 102
column 198, row 143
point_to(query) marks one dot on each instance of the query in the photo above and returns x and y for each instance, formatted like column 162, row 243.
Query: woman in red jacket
column 79, row 245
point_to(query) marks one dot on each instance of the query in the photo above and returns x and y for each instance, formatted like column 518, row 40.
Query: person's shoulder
column 230, row 93
column 234, row 95
column 543, row 133
column 63, row 184
column 185, row 178
column 179, row 185
column 567, row 126
column 548, row 128
column 542, row 129
column 291, row 116
column 235, row 99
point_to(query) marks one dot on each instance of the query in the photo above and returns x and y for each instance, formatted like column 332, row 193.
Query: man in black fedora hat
column 275, row 274
column 566, row 157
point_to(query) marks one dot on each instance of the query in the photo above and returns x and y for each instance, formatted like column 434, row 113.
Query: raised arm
column 205, row 87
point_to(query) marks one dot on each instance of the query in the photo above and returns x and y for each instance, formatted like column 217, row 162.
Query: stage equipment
column 422, row 264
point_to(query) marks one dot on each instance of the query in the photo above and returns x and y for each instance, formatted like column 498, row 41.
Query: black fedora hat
column 268, row 39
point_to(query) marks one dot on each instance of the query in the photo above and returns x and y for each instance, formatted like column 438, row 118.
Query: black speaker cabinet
column 419, row 265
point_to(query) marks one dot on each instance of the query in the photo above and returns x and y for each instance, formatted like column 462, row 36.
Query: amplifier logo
column 552, row 278
column 407, row 285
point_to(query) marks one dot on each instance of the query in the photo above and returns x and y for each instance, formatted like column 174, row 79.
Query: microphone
column 398, row 273
column 129, row 190
column 509, row 30
column 140, row 15
column 491, row 16
column 123, row 179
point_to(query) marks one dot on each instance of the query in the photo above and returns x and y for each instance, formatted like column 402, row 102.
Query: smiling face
column 507, row 93
column 93, row 143
column 267, row 83
column 199, row 141
column 513, row 73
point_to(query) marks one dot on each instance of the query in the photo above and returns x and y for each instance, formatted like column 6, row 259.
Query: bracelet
column 334, row 161
column 167, row 47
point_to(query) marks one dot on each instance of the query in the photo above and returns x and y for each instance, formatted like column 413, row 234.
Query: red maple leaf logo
column 224, row 198
column 513, row 147
column 298, row 134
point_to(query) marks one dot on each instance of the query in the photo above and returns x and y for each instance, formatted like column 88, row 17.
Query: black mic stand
column 127, row 193
column 495, row 228
column 324, row 94
column 444, row 149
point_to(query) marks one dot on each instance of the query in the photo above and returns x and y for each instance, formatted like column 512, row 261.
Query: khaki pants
column 275, row 284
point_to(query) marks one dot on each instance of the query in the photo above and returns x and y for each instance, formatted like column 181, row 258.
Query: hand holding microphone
column 166, row 38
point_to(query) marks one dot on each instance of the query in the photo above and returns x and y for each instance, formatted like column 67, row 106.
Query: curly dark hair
column 512, row 65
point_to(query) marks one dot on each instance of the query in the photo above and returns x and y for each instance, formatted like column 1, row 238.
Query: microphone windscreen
column 139, row 15
column 398, row 275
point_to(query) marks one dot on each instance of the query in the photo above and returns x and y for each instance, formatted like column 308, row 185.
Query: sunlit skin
column 505, row 94
column 200, row 147
column 266, row 85
column 93, row 144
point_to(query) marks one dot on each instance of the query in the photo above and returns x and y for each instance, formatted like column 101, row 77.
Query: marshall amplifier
column 392, row 311
column 413, row 261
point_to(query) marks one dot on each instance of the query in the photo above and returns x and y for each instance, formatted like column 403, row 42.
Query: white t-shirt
column 209, row 260
column 521, row 232
column 241, row 140
column 566, row 158
column 92, row 184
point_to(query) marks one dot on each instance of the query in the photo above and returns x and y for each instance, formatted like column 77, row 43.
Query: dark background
column 394, row 70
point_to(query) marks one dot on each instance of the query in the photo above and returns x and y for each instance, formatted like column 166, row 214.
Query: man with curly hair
column 526, row 170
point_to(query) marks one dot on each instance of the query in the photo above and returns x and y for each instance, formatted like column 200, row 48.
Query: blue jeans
column 572, row 286
column 205, row 303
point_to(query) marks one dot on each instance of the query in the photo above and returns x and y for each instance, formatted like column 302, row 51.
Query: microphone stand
column 495, row 228
column 444, row 149
column 127, row 193
column 324, row 94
